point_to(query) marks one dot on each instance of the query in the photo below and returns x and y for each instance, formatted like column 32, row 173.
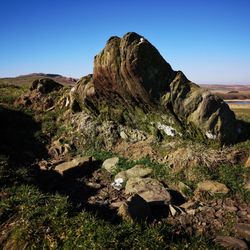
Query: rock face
column 131, row 70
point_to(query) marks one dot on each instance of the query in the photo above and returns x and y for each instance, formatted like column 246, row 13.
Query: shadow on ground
column 245, row 130
column 18, row 139
column 21, row 147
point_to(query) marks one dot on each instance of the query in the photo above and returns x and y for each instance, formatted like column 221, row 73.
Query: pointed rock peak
column 132, row 37
column 133, row 68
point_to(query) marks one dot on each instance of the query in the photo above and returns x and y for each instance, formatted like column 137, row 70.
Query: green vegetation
column 49, row 222
column 9, row 93
column 33, row 218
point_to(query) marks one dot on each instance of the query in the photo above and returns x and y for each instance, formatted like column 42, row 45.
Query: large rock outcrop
column 130, row 71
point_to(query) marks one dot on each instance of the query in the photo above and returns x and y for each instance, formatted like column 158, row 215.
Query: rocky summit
column 134, row 80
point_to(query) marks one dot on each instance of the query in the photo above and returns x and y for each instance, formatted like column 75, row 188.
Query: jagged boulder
column 130, row 73
column 45, row 85
column 132, row 67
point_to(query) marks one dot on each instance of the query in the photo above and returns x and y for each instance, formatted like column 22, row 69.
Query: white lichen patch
column 117, row 184
column 67, row 102
column 168, row 130
column 210, row 135
column 73, row 90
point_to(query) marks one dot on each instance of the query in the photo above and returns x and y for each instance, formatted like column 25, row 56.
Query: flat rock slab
column 243, row 230
column 136, row 171
column 149, row 189
column 231, row 242
column 69, row 166
column 213, row 187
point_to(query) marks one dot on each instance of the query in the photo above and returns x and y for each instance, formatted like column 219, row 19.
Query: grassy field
column 242, row 111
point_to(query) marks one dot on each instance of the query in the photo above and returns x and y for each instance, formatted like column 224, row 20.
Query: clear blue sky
column 209, row 40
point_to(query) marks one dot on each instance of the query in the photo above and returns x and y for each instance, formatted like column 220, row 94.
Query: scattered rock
column 110, row 164
column 149, row 189
column 136, row 171
column 67, row 167
column 231, row 243
column 135, row 209
column 243, row 230
column 213, row 187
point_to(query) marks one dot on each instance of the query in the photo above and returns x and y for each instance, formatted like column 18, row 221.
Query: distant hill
column 226, row 87
column 28, row 79
column 237, row 91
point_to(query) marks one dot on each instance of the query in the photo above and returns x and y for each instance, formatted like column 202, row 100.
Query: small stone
column 172, row 210
column 135, row 209
column 243, row 230
column 116, row 204
column 43, row 165
column 242, row 214
column 76, row 163
column 212, row 187
column 93, row 185
column 231, row 242
column 136, row 171
column 191, row 211
column 219, row 213
column 188, row 204
column 123, row 135
column 231, row 208
column 110, row 164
